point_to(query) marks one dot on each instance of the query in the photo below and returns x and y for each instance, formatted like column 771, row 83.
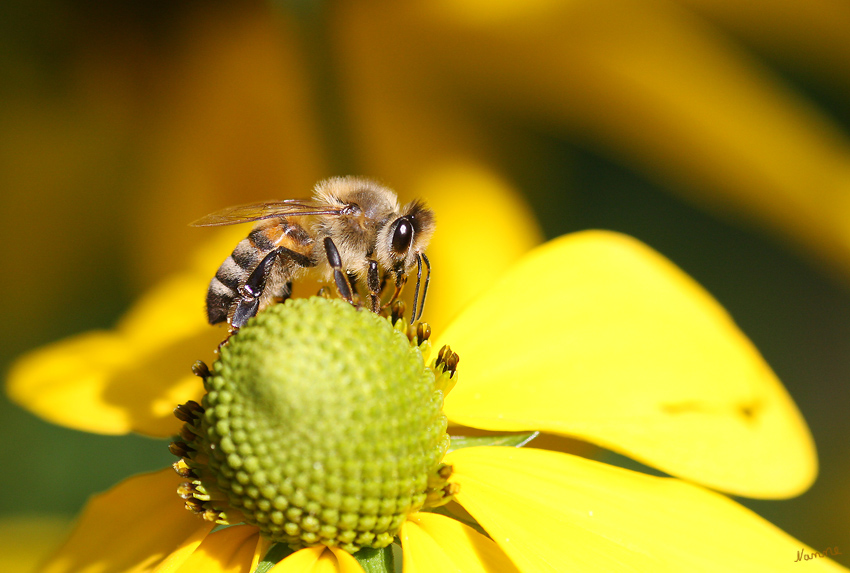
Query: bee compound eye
column 402, row 236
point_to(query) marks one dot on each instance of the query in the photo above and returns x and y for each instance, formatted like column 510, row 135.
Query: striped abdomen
column 249, row 252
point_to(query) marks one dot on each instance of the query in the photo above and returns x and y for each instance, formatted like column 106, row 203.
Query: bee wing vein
column 265, row 210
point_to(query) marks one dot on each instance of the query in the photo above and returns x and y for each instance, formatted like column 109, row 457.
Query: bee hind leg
column 247, row 303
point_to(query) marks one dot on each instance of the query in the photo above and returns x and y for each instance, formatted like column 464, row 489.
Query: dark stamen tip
column 423, row 332
column 187, row 434
column 194, row 407
column 186, row 490
column 411, row 332
column 200, row 369
column 448, row 360
column 397, row 311
column 184, row 471
column 195, row 506
column 188, row 412
column 180, row 449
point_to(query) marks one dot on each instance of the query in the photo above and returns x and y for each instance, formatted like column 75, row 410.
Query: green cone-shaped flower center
column 323, row 425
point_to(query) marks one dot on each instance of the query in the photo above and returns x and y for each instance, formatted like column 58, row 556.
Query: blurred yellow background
column 716, row 132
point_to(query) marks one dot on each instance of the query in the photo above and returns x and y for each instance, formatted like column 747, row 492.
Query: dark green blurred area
column 71, row 164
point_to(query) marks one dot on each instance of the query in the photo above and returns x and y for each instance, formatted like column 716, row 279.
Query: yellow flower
column 592, row 335
column 665, row 93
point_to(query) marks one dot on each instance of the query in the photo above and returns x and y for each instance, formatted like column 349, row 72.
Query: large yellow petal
column 318, row 560
column 229, row 550
column 434, row 542
column 137, row 526
column 129, row 379
column 557, row 512
column 596, row 336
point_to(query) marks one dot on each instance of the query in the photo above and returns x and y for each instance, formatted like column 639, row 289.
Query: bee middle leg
column 374, row 285
column 340, row 278
column 247, row 304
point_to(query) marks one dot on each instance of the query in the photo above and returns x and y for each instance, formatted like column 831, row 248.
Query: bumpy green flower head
column 321, row 425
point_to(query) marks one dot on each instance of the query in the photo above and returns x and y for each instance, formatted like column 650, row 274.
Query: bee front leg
column 352, row 282
column 420, row 258
column 374, row 285
column 400, row 280
column 248, row 302
column 340, row 278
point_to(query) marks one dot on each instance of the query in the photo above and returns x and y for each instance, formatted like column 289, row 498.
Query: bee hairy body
column 352, row 231
column 237, row 268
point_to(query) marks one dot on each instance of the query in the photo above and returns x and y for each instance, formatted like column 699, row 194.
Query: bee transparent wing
column 265, row 210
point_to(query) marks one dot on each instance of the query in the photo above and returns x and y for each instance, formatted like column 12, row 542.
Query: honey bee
column 353, row 230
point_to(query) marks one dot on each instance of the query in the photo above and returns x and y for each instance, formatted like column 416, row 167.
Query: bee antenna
column 416, row 292
column 419, row 258
column 427, row 282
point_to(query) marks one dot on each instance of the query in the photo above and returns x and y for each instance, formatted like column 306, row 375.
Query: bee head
column 403, row 239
